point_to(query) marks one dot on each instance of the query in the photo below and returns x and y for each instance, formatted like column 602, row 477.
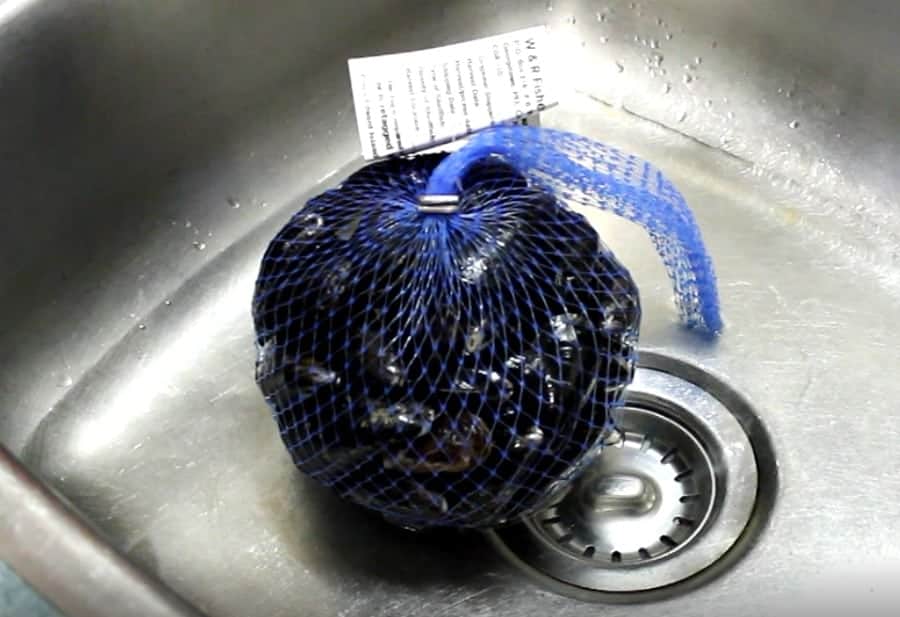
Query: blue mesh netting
column 458, row 369
column 583, row 171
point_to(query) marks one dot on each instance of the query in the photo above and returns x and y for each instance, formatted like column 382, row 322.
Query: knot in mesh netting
column 460, row 368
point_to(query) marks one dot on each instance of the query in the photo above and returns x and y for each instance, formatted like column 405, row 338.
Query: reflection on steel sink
column 152, row 149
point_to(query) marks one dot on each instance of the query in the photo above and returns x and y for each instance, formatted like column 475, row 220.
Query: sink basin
column 151, row 150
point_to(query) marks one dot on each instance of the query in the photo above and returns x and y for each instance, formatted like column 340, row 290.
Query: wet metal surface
column 151, row 150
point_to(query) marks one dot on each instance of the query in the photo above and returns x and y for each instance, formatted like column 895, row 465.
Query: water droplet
column 263, row 204
column 168, row 303
column 837, row 135
column 698, row 60
column 601, row 16
column 794, row 124
column 731, row 115
column 346, row 231
column 660, row 22
column 789, row 93
column 132, row 316
column 620, row 68
column 387, row 368
column 780, row 90
column 142, row 326
column 65, row 382
column 682, row 117
column 724, row 140
column 667, row 87
column 532, row 439
column 335, row 283
column 473, row 268
column 188, row 224
column 668, row 36
column 632, row 5
column 572, row 20
column 234, row 203
column 688, row 78
column 311, row 224
column 564, row 326
column 637, row 39
column 654, row 44
column 604, row 40
column 475, row 338
column 209, row 234
column 267, row 361
column 708, row 103
column 549, row 7
column 309, row 372
column 200, row 246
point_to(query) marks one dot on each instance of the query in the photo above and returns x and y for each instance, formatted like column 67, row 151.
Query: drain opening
column 680, row 472
column 629, row 503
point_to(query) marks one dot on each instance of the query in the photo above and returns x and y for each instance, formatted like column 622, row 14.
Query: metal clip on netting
column 442, row 340
column 589, row 173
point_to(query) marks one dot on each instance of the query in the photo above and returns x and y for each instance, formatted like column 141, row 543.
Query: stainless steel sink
column 150, row 150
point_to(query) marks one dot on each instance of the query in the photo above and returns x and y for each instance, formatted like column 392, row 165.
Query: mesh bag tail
column 586, row 172
column 460, row 369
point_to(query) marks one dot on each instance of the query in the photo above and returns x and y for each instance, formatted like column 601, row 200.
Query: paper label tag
column 415, row 100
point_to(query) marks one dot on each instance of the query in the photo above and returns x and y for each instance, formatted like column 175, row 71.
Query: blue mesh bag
column 442, row 339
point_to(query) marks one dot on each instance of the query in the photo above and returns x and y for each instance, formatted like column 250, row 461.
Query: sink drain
column 675, row 490
column 649, row 494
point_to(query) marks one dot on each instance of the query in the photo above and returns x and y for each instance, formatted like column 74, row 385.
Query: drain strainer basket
column 650, row 493
column 673, row 492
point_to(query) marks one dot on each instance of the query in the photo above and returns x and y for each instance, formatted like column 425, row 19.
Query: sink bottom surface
column 166, row 443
